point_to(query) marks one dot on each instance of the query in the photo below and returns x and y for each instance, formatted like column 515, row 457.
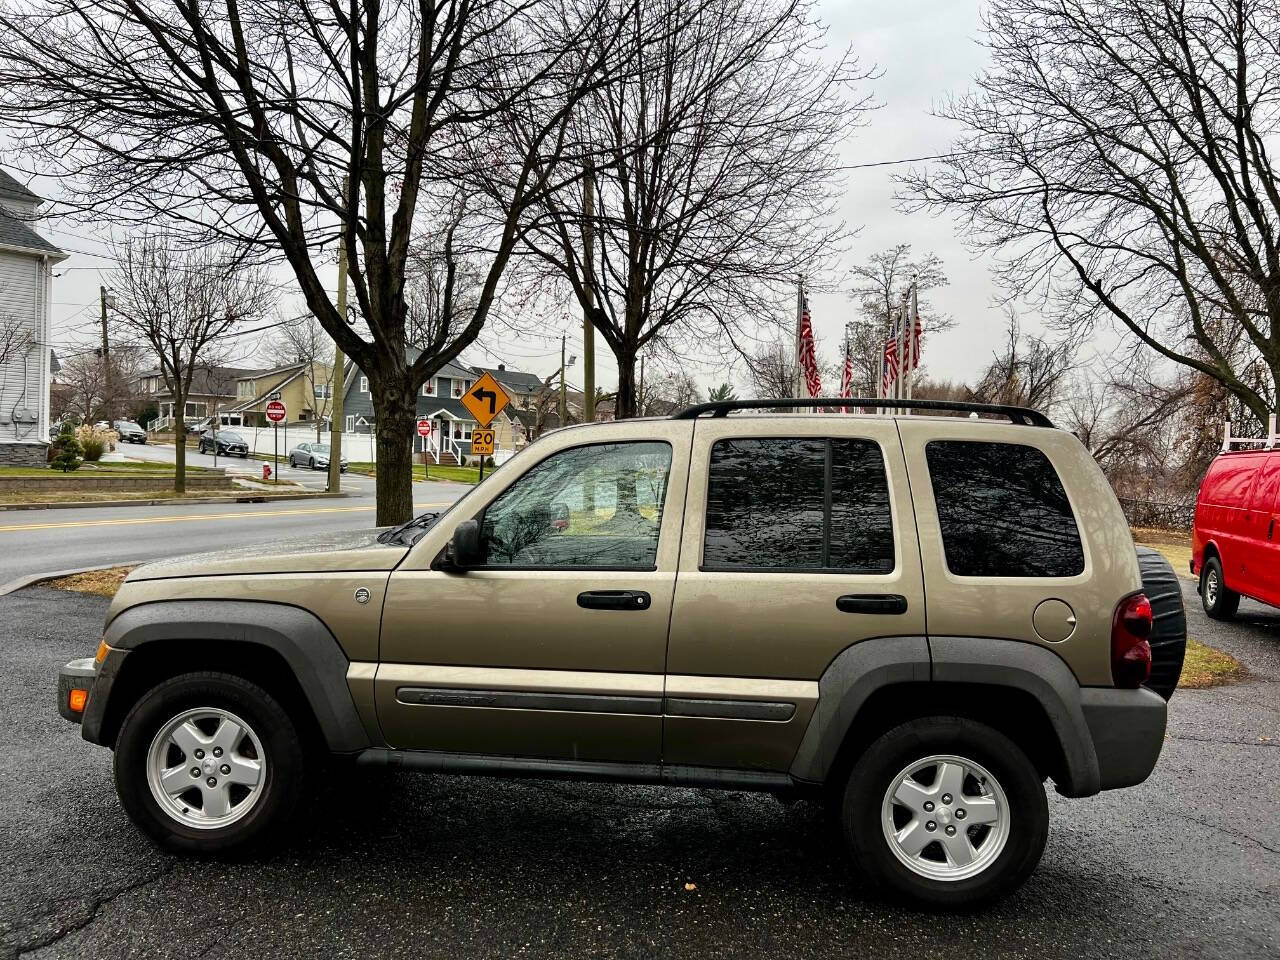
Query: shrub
column 95, row 441
column 65, row 451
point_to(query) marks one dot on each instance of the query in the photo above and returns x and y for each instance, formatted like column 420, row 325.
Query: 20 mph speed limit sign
column 482, row 442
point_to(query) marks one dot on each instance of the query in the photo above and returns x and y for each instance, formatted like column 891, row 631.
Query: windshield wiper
column 407, row 534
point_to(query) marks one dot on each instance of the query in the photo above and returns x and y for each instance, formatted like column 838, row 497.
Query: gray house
column 440, row 402
column 26, row 279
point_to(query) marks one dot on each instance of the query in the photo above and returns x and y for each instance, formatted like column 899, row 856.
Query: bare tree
column 1118, row 155
column 1029, row 371
column 245, row 123
column 302, row 341
column 185, row 305
column 879, row 284
column 82, row 376
column 711, row 179
column 771, row 371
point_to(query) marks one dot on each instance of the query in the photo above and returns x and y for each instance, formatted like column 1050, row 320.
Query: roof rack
column 1267, row 443
column 1023, row 416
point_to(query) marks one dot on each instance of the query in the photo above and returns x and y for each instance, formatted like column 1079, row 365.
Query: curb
column 246, row 497
column 21, row 583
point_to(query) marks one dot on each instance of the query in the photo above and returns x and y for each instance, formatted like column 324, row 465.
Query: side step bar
column 475, row 764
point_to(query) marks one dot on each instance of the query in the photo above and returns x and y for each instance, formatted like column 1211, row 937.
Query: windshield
column 127, row 425
column 233, row 437
column 320, row 448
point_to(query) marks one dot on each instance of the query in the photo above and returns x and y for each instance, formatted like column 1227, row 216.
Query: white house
column 26, row 272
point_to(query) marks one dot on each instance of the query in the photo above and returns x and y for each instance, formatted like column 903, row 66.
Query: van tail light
column 1130, row 648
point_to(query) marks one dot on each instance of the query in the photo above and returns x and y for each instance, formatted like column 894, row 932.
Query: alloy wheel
column 206, row 768
column 945, row 818
column 1211, row 587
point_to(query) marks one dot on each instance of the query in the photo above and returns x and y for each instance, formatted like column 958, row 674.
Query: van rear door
column 1260, row 551
column 1223, row 513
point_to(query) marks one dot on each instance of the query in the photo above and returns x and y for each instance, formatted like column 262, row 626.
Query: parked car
column 1235, row 547
column 226, row 443
column 313, row 455
column 917, row 620
column 129, row 431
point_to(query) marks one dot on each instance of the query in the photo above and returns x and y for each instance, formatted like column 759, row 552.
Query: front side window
column 1002, row 510
column 593, row 506
column 794, row 503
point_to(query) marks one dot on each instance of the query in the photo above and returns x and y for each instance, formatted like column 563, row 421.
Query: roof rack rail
column 1024, row 416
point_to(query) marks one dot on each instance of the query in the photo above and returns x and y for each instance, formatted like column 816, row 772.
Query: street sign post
column 276, row 412
column 486, row 399
column 425, row 429
column 482, row 440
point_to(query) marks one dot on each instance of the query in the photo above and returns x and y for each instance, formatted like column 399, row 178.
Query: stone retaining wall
column 78, row 480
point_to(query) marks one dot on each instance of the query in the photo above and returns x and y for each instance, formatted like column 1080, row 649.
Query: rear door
column 798, row 541
column 1259, row 550
column 1228, row 521
column 1010, row 550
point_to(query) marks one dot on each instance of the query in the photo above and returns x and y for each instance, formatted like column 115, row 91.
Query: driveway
column 1186, row 865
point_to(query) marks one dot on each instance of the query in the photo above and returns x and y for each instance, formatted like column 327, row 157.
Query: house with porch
column 440, row 401
column 213, row 388
column 26, row 280
column 306, row 390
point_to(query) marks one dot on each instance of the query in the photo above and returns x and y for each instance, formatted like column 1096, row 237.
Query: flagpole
column 899, row 334
column 913, row 319
column 799, row 316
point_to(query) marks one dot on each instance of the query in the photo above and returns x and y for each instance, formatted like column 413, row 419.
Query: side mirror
column 463, row 550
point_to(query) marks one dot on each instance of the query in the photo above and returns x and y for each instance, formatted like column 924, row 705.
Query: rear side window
column 796, row 503
column 1003, row 511
column 1229, row 479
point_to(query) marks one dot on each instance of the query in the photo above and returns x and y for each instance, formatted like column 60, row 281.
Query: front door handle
column 614, row 600
column 872, row 603
column 1271, row 528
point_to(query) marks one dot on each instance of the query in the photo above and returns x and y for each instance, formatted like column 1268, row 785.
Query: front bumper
column 76, row 675
column 1127, row 727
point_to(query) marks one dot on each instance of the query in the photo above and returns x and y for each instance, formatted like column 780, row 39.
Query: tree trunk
column 625, row 405
column 395, row 406
column 179, row 444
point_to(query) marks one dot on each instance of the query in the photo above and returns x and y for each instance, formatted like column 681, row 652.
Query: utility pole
column 563, row 405
column 339, row 361
column 588, row 329
column 103, row 296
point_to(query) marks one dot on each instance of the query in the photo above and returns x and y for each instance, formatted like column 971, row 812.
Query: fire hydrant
column 266, row 472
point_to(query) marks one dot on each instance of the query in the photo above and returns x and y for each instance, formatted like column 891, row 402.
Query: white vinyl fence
column 356, row 447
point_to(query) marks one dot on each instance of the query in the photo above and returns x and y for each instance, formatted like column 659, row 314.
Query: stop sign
column 424, row 428
column 276, row 411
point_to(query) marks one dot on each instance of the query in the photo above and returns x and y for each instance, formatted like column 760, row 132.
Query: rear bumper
column 76, row 675
column 1127, row 727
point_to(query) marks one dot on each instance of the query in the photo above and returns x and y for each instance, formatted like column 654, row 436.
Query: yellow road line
column 194, row 516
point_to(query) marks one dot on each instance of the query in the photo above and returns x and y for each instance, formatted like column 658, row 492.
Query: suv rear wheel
column 1219, row 602
column 208, row 763
column 946, row 811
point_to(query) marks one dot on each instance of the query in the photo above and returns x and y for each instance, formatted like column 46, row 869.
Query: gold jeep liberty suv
column 917, row 619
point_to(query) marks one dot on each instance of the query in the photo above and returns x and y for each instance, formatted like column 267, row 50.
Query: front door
column 555, row 645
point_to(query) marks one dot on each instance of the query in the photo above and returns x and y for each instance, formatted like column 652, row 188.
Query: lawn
column 430, row 472
column 104, row 583
column 1206, row 667
column 130, row 468
column 1174, row 544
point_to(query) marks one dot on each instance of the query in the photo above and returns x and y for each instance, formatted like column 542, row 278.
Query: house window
column 244, row 388
column 429, row 388
column 323, row 391
column 351, row 424
column 364, row 385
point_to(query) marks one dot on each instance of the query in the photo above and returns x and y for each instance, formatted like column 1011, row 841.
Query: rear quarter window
column 1228, row 481
column 1002, row 510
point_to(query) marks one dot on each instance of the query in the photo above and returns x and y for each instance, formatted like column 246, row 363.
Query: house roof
column 10, row 187
column 521, row 382
column 16, row 233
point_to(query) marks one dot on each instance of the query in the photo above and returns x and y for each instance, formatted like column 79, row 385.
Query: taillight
column 1130, row 650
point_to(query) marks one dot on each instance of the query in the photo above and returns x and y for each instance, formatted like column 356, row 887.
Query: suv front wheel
column 946, row 811
column 208, row 763
column 1218, row 601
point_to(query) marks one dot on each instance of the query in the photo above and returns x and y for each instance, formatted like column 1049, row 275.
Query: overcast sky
column 924, row 48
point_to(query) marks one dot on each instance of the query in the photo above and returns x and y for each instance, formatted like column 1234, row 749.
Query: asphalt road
column 48, row 541
column 1186, row 865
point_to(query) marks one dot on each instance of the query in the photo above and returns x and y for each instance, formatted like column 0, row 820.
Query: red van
column 1235, row 547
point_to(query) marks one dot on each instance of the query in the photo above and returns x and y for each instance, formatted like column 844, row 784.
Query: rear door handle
column 614, row 600
column 872, row 603
column 1271, row 528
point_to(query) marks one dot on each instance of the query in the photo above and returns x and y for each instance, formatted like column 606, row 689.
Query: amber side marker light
column 103, row 650
column 77, row 700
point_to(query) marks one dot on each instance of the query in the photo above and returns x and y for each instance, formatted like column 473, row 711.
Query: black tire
column 1169, row 620
column 200, row 447
column 266, row 822
column 1225, row 601
column 877, row 770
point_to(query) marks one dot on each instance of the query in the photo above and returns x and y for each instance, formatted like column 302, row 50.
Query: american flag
column 890, row 365
column 846, row 376
column 808, row 357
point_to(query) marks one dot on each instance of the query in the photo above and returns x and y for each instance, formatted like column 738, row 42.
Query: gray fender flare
column 862, row 669
column 299, row 637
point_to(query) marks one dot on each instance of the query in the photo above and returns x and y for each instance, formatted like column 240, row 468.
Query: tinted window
column 1003, row 511
column 593, row 506
column 798, row 503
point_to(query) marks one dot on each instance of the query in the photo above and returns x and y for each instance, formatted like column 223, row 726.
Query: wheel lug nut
column 931, row 826
column 946, row 798
column 928, row 806
column 225, row 768
column 195, row 771
column 212, row 781
column 217, row 751
column 960, row 814
column 951, row 831
column 199, row 754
